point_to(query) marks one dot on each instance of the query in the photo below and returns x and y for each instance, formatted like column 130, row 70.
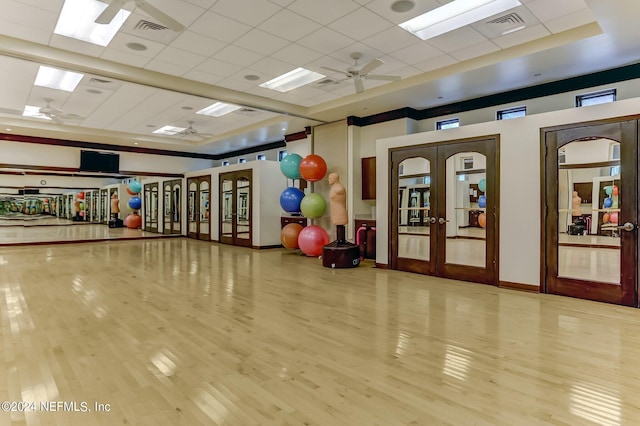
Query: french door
column 235, row 208
column 171, row 201
column 151, row 207
column 199, row 196
column 590, row 211
column 444, row 202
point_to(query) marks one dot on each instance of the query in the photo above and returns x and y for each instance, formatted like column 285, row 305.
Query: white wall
column 519, row 243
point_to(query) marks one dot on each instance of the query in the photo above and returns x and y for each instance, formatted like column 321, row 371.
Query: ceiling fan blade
column 383, row 77
column 375, row 63
column 359, row 85
column 55, row 119
column 337, row 71
column 162, row 17
column 110, row 12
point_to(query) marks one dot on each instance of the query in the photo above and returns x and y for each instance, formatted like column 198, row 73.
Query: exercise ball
column 614, row 192
column 130, row 192
column 81, row 206
column 311, row 240
column 290, row 199
column 608, row 190
column 133, row 221
column 135, row 187
column 608, row 202
column 614, row 217
column 606, row 217
column 313, row 206
column 135, row 203
column 482, row 185
column 80, row 196
column 482, row 220
column 313, row 168
column 290, row 166
column 289, row 235
column 482, row 201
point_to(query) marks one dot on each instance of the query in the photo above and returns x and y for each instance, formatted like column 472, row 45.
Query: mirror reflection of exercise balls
column 289, row 235
column 135, row 187
column 290, row 166
column 129, row 191
column 608, row 190
column 311, row 240
column 606, row 217
column 133, row 221
column 313, row 206
column 608, row 202
column 290, row 199
column 482, row 185
column 482, row 201
column 614, row 217
column 313, row 168
column 482, row 220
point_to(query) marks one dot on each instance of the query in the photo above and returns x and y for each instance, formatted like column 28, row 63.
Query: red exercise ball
column 80, row 196
column 482, row 220
column 313, row 168
column 289, row 235
column 130, row 192
column 311, row 240
column 133, row 221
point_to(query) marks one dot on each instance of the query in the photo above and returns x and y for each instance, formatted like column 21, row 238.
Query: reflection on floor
column 83, row 232
column 459, row 251
column 599, row 240
column 183, row 332
column 38, row 220
column 591, row 264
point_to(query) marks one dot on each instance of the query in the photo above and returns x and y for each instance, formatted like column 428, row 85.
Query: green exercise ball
column 313, row 206
column 290, row 166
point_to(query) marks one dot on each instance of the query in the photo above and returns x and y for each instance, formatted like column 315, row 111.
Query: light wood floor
column 77, row 232
column 182, row 332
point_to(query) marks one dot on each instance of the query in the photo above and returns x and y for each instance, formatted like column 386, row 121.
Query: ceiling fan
column 190, row 131
column 114, row 7
column 55, row 114
column 358, row 73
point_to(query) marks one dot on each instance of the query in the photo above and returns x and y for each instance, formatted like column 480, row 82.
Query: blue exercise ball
column 135, row 203
column 482, row 201
column 290, row 166
column 135, row 186
column 290, row 199
column 608, row 202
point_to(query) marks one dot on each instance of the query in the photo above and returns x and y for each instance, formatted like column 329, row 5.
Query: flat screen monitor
column 93, row 161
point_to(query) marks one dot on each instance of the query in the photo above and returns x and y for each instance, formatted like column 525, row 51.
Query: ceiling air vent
column 95, row 80
column 248, row 111
column 326, row 81
column 149, row 26
column 505, row 24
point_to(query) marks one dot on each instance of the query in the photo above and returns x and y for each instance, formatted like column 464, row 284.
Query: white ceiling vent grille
column 248, row 111
column 504, row 24
column 144, row 25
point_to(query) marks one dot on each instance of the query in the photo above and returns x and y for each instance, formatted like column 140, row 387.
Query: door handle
column 433, row 219
column 442, row 220
column 627, row 227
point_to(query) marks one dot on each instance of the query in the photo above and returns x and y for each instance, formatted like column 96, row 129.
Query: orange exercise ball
column 289, row 235
column 133, row 221
column 605, row 218
column 313, row 168
column 482, row 220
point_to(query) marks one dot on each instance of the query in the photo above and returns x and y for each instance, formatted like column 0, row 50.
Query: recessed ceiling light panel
column 77, row 20
column 169, row 130
column 218, row 109
column 34, row 112
column 292, row 80
column 54, row 78
column 454, row 15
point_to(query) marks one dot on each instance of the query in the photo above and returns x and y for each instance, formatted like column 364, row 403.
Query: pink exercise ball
column 133, row 221
column 614, row 217
column 311, row 240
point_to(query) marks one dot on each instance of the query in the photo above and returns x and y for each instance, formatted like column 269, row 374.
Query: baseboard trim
column 273, row 246
column 519, row 286
column 381, row 265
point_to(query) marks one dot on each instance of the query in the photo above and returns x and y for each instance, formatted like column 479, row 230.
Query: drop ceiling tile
column 219, row 68
column 330, row 62
column 546, row 10
column 417, row 53
column 251, row 14
column 219, row 27
column 406, row 71
column 183, row 12
column 236, row 83
column 360, row 24
column 326, row 41
column 289, row 25
column 206, row 4
column 522, row 36
column 197, row 43
column 238, row 56
column 475, row 51
column 179, row 57
column 325, row 11
column 572, row 20
column 383, row 8
column 367, row 52
column 202, row 76
column 129, row 57
column 435, row 63
column 35, row 35
column 54, row 6
column 31, row 16
column 297, row 55
column 121, row 40
column 391, row 40
column 261, row 42
column 282, row 3
column 73, row 45
column 268, row 68
column 457, row 40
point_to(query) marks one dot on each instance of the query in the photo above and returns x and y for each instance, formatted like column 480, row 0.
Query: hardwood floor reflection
column 78, row 232
column 184, row 332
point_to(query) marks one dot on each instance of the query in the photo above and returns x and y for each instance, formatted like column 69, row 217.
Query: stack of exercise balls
column 309, row 239
column 482, row 202
column 134, row 220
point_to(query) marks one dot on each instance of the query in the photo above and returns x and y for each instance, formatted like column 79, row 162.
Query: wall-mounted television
column 93, row 161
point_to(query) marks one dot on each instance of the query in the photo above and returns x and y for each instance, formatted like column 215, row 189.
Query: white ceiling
column 225, row 40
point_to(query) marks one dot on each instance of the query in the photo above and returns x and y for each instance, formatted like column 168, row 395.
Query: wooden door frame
column 233, row 177
column 201, row 236
column 198, row 234
column 146, row 206
column 548, row 178
column 492, row 267
column 167, row 226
